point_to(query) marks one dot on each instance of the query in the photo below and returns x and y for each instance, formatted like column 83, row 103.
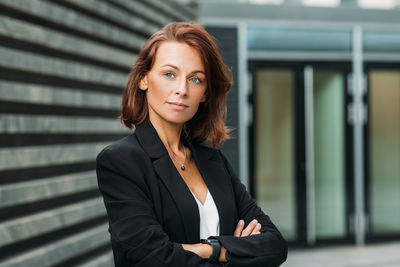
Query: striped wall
column 63, row 66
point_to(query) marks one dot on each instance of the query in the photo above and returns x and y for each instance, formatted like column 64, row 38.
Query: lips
column 178, row 104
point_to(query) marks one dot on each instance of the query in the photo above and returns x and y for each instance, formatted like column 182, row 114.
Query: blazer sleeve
column 133, row 225
column 267, row 249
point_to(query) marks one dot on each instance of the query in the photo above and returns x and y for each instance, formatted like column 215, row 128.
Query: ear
column 143, row 84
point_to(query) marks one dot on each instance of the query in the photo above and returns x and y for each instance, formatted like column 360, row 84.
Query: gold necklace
column 184, row 160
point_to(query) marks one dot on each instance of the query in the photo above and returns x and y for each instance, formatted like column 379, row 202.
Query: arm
column 133, row 226
column 205, row 250
column 265, row 249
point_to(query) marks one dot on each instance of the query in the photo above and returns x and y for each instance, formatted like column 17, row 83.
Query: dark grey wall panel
column 227, row 41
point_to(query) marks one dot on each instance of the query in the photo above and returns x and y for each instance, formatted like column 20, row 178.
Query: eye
column 195, row 80
column 170, row 75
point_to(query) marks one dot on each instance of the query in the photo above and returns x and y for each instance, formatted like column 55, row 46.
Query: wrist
column 215, row 248
column 207, row 250
column 202, row 250
column 222, row 255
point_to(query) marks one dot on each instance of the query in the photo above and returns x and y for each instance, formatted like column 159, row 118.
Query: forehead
column 178, row 54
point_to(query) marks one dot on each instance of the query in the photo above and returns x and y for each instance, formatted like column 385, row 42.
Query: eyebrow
column 175, row 67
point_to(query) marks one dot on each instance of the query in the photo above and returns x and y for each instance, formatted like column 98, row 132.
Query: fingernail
column 241, row 222
column 258, row 225
column 255, row 221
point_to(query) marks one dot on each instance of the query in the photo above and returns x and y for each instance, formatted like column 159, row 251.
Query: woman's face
column 176, row 84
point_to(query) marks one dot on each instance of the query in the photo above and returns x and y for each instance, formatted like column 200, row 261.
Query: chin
column 180, row 120
column 173, row 120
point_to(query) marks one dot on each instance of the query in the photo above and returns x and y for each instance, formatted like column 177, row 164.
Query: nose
column 181, row 87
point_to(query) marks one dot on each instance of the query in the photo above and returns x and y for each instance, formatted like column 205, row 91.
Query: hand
column 253, row 228
column 205, row 250
column 202, row 250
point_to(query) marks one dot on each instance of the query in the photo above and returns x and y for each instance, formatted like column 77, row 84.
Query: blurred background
column 315, row 106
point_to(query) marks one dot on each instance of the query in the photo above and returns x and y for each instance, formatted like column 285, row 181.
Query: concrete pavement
column 375, row 255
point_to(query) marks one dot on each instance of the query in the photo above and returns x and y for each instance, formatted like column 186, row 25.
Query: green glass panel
column 330, row 213
column 274, row 147
column 384, row 144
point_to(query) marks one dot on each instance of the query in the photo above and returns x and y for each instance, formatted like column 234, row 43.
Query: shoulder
column 205, row 148
column 125, row 152
column 122, row 168
column 214, row 154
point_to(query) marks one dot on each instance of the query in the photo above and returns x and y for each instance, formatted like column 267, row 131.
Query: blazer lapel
column 218, row 183
column 164, row 167
column 211, row 169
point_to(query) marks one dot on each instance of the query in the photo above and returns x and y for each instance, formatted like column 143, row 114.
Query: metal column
column 310, row 153
column 359, row 117
column 244, row 113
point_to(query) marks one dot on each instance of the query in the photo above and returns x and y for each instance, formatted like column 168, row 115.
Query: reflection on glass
column 295, row 39
column 381, row 41
column 329, row 154
column 384, row 143
column 274, row 147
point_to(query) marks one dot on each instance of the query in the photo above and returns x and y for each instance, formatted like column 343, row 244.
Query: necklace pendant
column 183, row 168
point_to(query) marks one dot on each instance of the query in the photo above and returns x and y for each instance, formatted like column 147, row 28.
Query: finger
column 249, row 228
column 256, row 229
column 239, row 228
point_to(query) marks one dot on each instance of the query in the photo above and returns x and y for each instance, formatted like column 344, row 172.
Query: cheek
column 202, row 94
column 198, row 97
column 157, row 87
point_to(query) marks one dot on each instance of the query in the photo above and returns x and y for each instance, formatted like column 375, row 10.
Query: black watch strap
column 216, row 249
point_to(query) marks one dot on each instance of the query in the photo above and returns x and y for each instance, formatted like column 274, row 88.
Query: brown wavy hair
column 208, row 124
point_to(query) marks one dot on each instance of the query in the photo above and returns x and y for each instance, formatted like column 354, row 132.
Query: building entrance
column 301, row 152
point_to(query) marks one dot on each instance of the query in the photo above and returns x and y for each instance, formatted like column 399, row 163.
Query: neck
column 169, row 134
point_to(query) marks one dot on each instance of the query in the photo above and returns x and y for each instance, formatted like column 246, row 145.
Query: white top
column 209, row 218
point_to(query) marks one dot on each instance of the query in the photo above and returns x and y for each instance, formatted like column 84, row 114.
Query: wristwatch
column 216, row 248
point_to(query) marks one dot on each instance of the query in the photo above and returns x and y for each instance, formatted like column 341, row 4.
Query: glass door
column 326, row 142
column 383, row 146
column 274, row 149
column 299, row 149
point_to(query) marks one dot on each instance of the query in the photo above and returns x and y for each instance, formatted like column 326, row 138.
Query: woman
column 170, row 199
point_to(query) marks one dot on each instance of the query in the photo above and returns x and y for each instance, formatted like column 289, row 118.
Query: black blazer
column 151, row 210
